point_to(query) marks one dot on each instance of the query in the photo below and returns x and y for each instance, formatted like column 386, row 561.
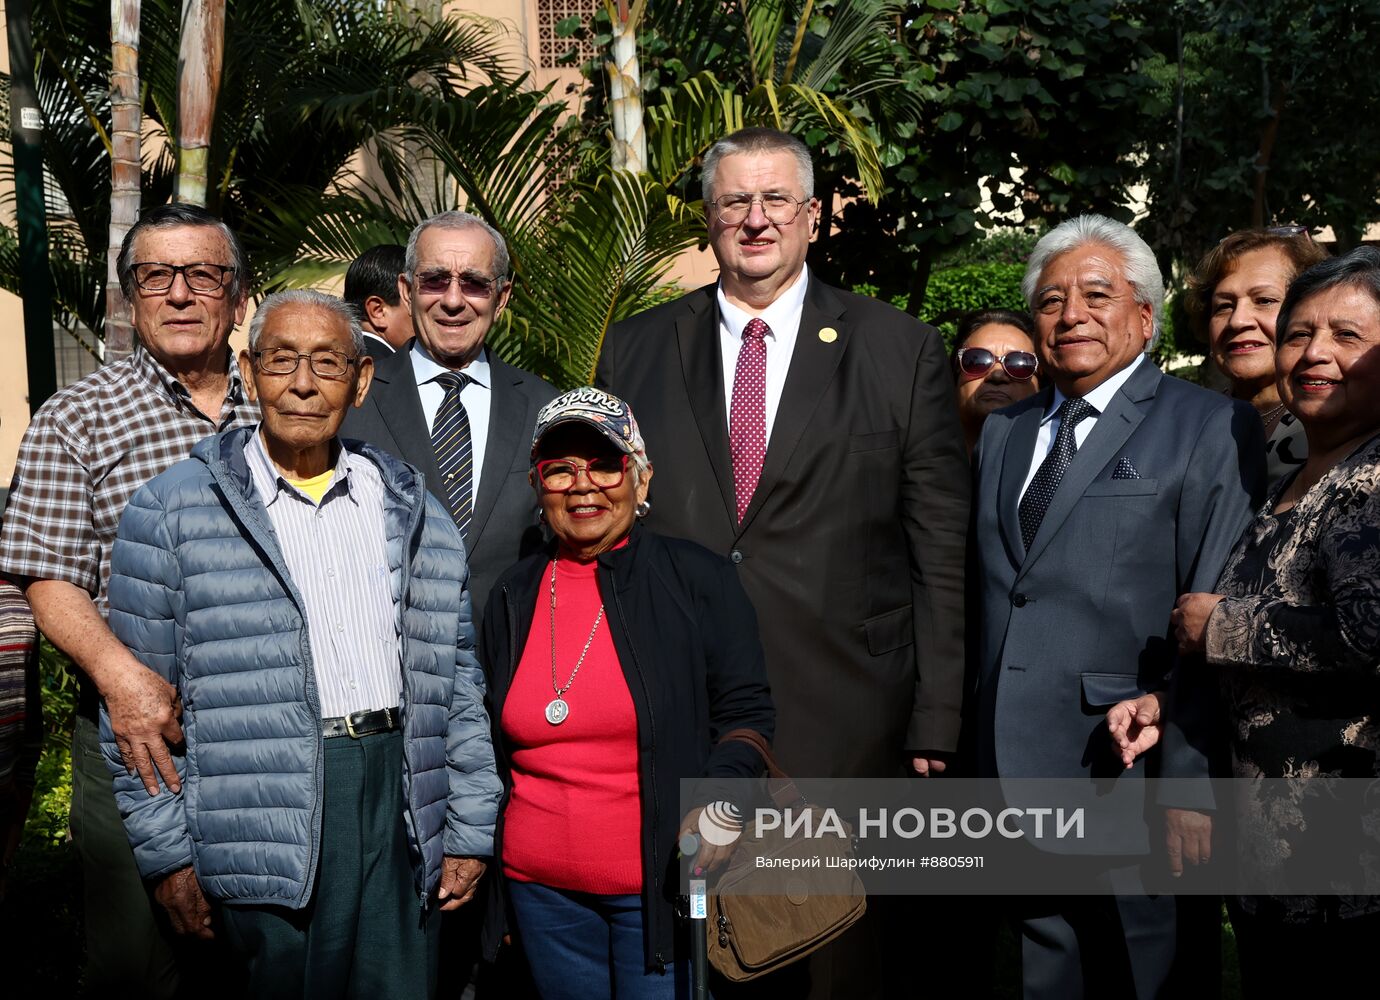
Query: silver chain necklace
column 557, row 710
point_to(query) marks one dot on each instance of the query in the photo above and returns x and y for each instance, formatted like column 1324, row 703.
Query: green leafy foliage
column 956, row 290
column 1269, row 135
column 1026, row 111
column 340, row 126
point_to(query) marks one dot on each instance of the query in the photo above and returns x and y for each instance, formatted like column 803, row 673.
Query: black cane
column 699, row 920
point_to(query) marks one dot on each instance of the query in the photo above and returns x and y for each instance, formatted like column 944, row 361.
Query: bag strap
column 781, row 785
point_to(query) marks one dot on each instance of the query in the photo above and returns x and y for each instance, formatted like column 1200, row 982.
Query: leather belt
column 381, row 720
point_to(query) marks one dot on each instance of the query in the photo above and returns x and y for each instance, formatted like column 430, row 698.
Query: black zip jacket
column 686, row 638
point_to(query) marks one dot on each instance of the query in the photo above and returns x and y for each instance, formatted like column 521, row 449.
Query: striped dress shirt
column 337, row 556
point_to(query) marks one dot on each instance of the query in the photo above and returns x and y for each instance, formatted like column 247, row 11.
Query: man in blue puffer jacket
column 309, row 601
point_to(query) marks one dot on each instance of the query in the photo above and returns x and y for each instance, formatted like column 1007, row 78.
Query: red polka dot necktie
column 747, row 420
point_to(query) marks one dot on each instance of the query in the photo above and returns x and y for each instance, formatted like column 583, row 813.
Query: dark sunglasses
column 976, row 362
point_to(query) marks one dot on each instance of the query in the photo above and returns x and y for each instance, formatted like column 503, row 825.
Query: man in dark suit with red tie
column 810, row 435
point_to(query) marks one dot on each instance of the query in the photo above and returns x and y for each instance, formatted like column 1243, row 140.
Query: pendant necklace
column 557, row 710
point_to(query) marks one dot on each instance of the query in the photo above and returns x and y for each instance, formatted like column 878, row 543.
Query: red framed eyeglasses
column 559, row 475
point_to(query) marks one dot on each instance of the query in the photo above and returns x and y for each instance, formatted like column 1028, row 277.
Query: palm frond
column 612, row 246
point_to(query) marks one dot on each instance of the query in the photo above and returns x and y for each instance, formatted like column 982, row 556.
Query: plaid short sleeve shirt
column 86, row 452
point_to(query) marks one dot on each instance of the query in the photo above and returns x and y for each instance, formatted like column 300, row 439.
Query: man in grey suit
column 449, row 405
column 1098, row 502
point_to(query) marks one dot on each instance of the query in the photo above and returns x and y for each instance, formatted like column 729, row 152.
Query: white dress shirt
column 477, row 397
column 783, row 317
column 1099, row 399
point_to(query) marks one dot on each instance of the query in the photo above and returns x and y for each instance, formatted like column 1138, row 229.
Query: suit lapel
column 1015, row 465
column 813, row 363
column 395, row 394
column 1123, row 415
column 700, row 358
column 507, row 407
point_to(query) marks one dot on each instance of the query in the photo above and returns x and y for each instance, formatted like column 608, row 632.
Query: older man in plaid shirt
column 87, row 451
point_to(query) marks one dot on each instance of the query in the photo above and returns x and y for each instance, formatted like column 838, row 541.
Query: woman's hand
column 1189, row 620
column 711, row 856
column 1134, row 725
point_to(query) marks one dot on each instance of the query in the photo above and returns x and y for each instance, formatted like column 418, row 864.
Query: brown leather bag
column 753, row 932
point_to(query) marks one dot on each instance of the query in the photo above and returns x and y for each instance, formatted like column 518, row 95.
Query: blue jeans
column 584, row 946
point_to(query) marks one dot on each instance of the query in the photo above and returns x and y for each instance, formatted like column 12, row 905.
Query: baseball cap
column 603, row 411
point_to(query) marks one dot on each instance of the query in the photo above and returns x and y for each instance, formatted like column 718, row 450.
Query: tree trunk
column 920, row 281
column 126, row 121
column 1268, row 135
column 26, row 130
column 625, row 89
column 200, row 56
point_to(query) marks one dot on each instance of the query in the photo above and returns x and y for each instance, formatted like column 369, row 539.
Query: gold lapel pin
column 828, row 335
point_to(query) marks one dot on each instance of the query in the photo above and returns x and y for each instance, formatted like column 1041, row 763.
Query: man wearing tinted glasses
column 1100, row 500
column 88, row 449
column 448, row 405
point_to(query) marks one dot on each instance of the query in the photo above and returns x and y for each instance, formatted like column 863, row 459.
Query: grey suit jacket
column 504, row 527
column 1149, row 509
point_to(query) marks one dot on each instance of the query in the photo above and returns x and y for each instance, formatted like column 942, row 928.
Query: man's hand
column 926, row 766
column 459, row 879
column 1134, row 725
column 143, row 706
column 1189, row 620
column 143, row 713
column 1187, row 837
column 181, row 896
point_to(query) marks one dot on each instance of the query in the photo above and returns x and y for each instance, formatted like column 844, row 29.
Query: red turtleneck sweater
column 574, row 817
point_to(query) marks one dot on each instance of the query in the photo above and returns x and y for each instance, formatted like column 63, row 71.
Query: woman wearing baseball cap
column 614, row 659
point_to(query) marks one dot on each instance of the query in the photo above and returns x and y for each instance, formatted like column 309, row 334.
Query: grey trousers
column 363, row 934
column 129, row 946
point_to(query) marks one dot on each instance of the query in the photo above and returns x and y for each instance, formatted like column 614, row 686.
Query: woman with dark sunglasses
column 614, row 659
column 995, row 365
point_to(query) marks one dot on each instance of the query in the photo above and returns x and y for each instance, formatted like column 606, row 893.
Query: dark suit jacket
column 1081, row 621
column 852, row 548
column 377, row 348
column 504, row 527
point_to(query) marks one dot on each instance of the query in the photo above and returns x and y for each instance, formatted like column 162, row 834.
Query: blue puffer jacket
column 200, row 593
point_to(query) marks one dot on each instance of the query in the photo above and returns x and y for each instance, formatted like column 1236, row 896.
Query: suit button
column 736, row 556
column 1018, row 600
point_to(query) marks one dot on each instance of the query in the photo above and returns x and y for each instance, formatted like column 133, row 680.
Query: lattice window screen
column 552, row 12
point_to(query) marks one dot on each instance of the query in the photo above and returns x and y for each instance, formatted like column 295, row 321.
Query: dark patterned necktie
column 747, row 419
column 1046, row 482
column 450, row 440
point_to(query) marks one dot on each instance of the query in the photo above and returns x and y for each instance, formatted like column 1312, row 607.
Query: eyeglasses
column 324, row 364
column 976, row 362
column 154, row 276
column 780, row 209
column 474, row 286
column 559, row 475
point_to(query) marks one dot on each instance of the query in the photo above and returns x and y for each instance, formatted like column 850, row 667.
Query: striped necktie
column 450, row 440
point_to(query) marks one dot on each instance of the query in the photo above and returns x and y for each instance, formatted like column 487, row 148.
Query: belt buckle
column 350, row 727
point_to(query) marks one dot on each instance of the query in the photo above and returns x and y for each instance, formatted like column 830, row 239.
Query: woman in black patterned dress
column 1294, row 630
